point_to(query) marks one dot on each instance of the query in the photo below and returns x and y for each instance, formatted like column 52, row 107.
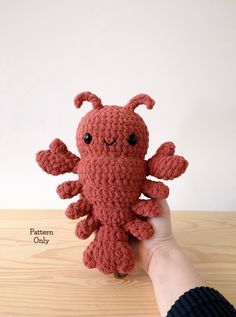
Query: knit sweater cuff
column 202, row 301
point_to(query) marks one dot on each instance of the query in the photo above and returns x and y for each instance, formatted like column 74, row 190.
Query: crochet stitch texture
column 112, row 142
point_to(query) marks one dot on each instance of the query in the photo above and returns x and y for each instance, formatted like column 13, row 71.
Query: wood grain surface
column 50, row 280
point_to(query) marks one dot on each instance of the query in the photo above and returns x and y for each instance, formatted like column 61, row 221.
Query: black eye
column 132, row 139
column 87, row 138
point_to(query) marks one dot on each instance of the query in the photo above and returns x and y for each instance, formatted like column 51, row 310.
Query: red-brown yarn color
column 112, row 174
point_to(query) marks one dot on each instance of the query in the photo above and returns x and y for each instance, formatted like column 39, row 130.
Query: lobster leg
column 69, row 189
column 147, row 208
column 86, row 227
column 78, row 209
column 142, row 230
column 155, row 189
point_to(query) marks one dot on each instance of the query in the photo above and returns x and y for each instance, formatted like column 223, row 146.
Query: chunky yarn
column 112, row 170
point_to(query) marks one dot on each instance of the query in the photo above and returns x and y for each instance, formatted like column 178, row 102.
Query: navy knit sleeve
column 202, row 302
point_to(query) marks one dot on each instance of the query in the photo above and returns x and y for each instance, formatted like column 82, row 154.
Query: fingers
column 162, row 223
column 165, row 209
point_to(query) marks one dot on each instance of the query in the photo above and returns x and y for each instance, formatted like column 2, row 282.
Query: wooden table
column 38, row 279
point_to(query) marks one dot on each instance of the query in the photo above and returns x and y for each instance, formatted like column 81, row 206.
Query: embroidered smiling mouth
column 109, row 143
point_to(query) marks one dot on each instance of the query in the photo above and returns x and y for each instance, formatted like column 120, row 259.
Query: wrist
column 161, row 253
column 171, row 274
column 170, row 260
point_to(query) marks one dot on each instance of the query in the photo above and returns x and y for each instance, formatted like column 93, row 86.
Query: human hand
column 162, row 240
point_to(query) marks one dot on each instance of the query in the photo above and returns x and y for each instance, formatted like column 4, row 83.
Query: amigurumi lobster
column 112, row 142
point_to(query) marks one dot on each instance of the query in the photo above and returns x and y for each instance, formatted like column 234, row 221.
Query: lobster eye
column 87, row 138
column 132, row 139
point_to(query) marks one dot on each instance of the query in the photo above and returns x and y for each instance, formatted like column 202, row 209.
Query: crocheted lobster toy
column 112, row 142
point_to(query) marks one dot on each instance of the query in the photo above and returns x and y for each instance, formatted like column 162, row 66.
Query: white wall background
column 182, row 53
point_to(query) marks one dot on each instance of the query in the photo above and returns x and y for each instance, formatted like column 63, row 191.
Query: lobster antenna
column 90, row 97
column 141, row 99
